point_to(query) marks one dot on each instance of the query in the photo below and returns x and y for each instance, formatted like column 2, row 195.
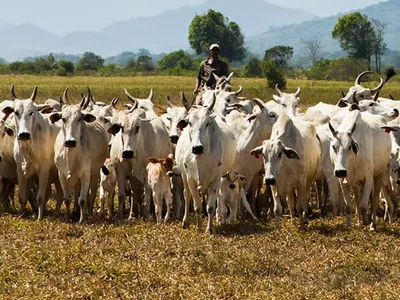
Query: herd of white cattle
column 217, row 148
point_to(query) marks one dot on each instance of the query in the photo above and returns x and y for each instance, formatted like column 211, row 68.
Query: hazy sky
column 62, row 16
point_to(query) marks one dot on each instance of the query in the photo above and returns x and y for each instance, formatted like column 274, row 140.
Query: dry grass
column 55, row 259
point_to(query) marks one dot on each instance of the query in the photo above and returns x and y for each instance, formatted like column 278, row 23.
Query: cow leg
column 110, row 203
column 168, row 201
column 346, row 195
column 196, row 201
column 40, row 199
column 102, row 196
column 85, row 183
column 187, row 195
column 94, row 181
column 277, row 206
column 246, row 203
column 389, row 206
column 222, row 210
column 302, row 203
column 66, row 195
column 121, row 192
column 377, row 184
column 334, row 191
column 158, row 206
column 23, row 191
column 366, row 195
column 147, row 198
column 233, row 211
column 212, row 203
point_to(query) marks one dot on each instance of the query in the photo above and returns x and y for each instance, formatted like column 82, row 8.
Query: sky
column 63, row 16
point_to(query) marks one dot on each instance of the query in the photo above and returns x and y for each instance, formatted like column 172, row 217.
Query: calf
column 159, row 172
column 108, row 180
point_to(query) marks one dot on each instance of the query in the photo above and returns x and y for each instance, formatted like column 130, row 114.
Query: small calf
column 108, row 180
column 229, row 194
column 159, row 172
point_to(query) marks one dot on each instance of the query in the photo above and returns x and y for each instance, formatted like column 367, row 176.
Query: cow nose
column 341, row 173
column 1, row 158
column 70, row 143
column 270, row 181
column 174, row 139
column 24, row 136
column 396, row 112
column 127, row 154
column 197, row 149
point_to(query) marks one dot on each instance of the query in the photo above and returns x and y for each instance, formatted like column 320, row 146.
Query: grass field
column 56, row 259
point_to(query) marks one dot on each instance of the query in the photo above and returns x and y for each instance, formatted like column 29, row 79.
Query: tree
column 273, row 73
column 213, row 27
column 144, row 63
column 312, row 47
column 380, row 46
column 175, row 59
column 356, row 36
column 280, row 55
column 90, row 61
column 67, row 66
column 253, row 68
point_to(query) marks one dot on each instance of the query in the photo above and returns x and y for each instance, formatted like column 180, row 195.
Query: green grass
column 55, row 259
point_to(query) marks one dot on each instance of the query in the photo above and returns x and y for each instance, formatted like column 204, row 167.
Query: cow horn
column 358, row 79
column 151, row 95
column 169, row 102
column 376, row 96
column 354, row 128
column 65, row 97
column 355, row 98
column 185, row 103
column 334, row 132
column 381, row 84
column 211, row 107
column 228, row 79
column 297, row 92
column 12, row 92
column 391, row 97
column 114, row 102
column 239, row 90
column 83, row 103
column 278, row 90
column 343, row 94
column 34, row 93
column 259, row 103
column 130, row 97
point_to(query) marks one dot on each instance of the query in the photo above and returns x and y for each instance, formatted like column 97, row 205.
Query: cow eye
column 207, row 124
column 169, row 119
column 80, row 119
column 349, row 148
column 137, row 129
column 361, row 96
column 63, row 119
column 284, row 105
column 31, row 113
column 334, row 148
column 16, row 113
column 228, row 100
column 280, row 155
column 372, row 104
column 271, row 115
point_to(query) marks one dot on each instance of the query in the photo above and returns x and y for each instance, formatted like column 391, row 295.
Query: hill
column 161, row 33
column 387, row 12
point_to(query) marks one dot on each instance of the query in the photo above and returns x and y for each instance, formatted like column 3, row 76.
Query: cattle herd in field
column 218, row 148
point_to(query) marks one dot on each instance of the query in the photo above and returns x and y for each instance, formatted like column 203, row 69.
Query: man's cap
column 214, row 46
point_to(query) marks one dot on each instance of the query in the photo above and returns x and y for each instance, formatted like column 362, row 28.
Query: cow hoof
column 185, row 225
column 372, row 227
column 209, row 231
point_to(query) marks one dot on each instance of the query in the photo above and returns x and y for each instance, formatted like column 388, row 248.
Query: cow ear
column 46, row 110
column 251, row 117
column 105, row 170
column 290, row 153
column 8, row 110
column 88, row 118
column 388, row 129
column 342, row 103
column 9, row 131
column 55, row 117
column 114, row 129
column 257, row 151
column 182, row 124
column 277, row 99
column 106, row 119
column 242, row 178
column 153, row 160
column 354, row 147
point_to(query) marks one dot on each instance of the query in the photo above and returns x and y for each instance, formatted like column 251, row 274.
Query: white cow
column 108, row 180
column 176, row 118
column 288, row 102
column 205, row 151
column 359, row 92
column 145, row 104
column 291, row 158
column 33, row 132
column 136, row 138
column 80, row 151
column 360, row 152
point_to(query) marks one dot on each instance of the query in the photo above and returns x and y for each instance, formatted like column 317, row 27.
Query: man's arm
column 225, row 70
column 198, row 80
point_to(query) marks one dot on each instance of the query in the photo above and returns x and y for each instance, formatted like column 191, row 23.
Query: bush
column 273, row 73
column 68, row 66
column 321, row 70
column 347, row 69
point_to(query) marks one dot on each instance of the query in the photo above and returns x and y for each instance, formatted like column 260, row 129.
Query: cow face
column 273, row 153
column 72, row 121
column 130, row 132
column 201, row 126
column 145, row 104
column 287, row 102
column 167, row 163
column 377, row 108
column 343, row 149
column 178, row 118
column 230, row 186
column 357, row 92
